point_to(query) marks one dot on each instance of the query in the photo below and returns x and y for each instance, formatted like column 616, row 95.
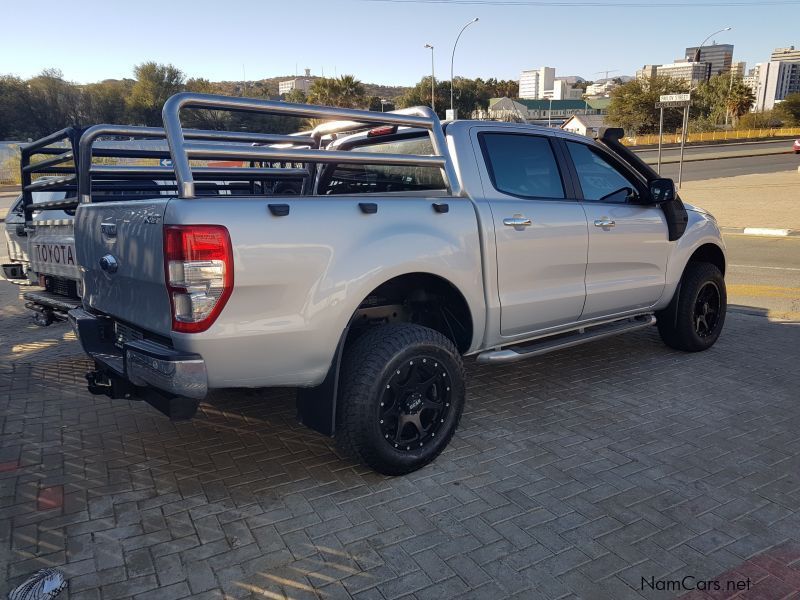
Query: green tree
column 154, row 84
column 632, row 105
column 54, row 102
column 789, row 109
column 203, row 118
column 350, row 92
column 323, row 91
column 259, row 122
column 104, row 102
column 15, row 115
column 723, row 97
column 345, row 92
column 295, row 95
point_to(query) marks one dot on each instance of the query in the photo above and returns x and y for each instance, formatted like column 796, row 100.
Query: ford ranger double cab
column 412, row 245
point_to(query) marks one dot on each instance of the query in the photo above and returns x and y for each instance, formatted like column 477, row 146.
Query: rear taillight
column 198, row 263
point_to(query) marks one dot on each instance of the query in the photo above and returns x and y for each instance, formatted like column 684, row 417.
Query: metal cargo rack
column 72, row 150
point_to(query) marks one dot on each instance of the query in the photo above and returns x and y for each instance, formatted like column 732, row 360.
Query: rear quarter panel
column 299, row 278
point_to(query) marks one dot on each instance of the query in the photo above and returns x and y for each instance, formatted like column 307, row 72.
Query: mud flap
column 316, row 407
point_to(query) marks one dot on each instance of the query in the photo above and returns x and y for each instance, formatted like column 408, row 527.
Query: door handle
column 604, row 222
column 517, row 221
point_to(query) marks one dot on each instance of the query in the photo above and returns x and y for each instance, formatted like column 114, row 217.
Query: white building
column 692, row 73
column 789, row 54
column 775, row 80
column 588, row 125
column 563, row 91
column 751, row 79
column 534, row 83
column 647, row 72
column 601, row 89
column 298, row 83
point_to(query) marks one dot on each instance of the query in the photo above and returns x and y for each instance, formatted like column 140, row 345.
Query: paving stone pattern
column 613, row 470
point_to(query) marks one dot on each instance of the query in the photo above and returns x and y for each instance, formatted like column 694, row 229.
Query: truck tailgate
column 119, row 247
column 52, row 248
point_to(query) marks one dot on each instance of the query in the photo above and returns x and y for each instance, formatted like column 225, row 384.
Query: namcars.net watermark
column 691, row 583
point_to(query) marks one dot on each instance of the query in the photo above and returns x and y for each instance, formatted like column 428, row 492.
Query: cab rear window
column 361, row 179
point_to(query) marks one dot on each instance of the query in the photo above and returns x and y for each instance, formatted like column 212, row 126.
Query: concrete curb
column 761, row 231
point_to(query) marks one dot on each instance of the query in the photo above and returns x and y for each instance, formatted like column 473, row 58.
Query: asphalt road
column 694, row 151
column 730, row 167
column 763, row 275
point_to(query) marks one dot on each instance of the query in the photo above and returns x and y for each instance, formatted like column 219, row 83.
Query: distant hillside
column 269, row 86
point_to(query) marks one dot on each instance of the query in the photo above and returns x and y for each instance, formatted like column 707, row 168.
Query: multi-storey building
column 718, row 57
column 601, row 89
column 535, row 82
column 298, row 83
column 776, row 80
column 789, row 54
column 692, row 73
column 647, row 72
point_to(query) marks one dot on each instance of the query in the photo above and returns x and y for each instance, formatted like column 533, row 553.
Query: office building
column 751, row 79
column 298, row 83
column 719, row 57
column 647, row 72
column 775, row 80
column 692, row 73
column 789, row 54
column 563, row 91
column 534, row 83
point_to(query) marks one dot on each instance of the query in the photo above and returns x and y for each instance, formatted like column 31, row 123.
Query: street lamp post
column 686, row 109
column 452, row 59
column 433, row 81
column 550, row 113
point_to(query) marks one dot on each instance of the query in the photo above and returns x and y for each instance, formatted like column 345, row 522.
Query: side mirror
column 662, row 190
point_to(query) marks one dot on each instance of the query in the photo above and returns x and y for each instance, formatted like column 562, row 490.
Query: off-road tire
column 677, row 324
column 368, row 364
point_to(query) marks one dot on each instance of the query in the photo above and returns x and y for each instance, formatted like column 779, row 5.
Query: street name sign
column 675, row 97
column 673, row 104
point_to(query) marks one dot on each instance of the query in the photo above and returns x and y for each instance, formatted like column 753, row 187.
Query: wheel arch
column 416, row 297
column 710, row 253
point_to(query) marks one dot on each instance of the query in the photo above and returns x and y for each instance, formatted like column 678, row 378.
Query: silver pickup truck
column 412, row 245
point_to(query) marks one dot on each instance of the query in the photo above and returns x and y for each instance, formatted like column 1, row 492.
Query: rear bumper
column 140, row 362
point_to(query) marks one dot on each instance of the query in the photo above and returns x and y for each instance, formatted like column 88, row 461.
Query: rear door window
column 522, row 165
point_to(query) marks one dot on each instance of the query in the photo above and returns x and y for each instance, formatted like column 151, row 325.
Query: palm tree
column 346, row 92
column 739, row 101
column 350, row 92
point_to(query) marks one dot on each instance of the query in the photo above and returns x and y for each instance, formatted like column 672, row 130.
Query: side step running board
column 566, row 340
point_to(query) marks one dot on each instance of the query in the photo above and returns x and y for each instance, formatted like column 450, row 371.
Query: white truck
column 39, row 226
column 413, row 244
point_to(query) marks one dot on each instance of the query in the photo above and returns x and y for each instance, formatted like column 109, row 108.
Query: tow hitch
column 100, row 383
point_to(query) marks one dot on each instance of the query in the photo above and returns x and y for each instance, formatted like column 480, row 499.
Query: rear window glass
column 522, row 165
column 361, row 179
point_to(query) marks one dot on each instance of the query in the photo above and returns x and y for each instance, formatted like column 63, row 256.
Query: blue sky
column 378, row 42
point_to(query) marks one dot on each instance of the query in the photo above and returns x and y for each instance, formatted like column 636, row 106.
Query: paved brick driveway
column 575, row 475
